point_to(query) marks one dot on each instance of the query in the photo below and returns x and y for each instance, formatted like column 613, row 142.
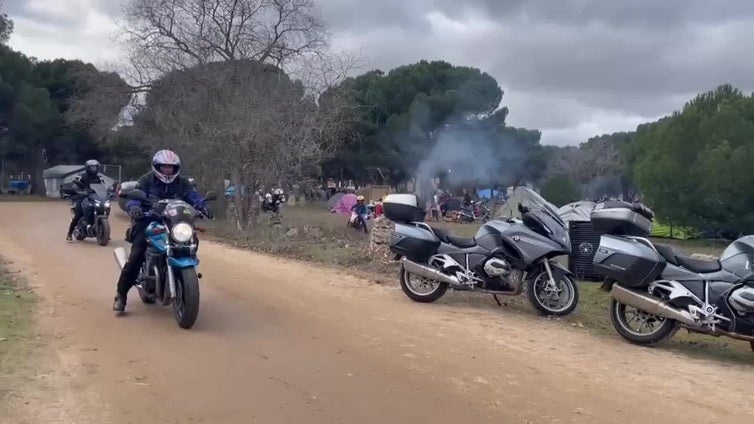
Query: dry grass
column 311, row 233
column 16, row 306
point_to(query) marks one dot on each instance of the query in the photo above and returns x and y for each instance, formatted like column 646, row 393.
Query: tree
column 693, row 166
column 6, row 25
column 244, row 121
column 560, row 190
column 408, row 111
column 164, row 36
column 597, row 165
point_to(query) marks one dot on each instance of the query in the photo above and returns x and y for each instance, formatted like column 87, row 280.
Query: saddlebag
column 622, row 219
column 402, row 208
column 628, row 261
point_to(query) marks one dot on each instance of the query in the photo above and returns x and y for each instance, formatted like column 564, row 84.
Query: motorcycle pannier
column 621, row 219
column 628, row 261
column 403, row 208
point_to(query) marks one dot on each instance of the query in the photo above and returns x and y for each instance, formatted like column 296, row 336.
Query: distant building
column 58, row 175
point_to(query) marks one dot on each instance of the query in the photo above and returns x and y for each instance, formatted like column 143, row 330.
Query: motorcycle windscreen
column 178, row 211
column 544, row 225
column 100, row 190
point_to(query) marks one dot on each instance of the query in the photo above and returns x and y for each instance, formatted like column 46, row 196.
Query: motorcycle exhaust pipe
column 651, row 305
column 120, row 256
column 427, row 272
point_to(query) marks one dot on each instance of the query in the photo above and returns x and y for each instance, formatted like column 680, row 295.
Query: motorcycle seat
column 461, row 242
column 676, row 257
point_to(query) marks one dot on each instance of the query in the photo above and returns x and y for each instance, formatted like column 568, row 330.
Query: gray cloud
column 571, row 68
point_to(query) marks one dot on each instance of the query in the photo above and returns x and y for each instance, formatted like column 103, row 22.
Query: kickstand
column 500, row 304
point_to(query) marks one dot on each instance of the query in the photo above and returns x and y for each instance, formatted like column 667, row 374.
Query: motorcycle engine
column 742, row 300
column 496, row 268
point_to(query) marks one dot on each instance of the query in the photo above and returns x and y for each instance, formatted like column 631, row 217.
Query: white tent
column 577, row 211
column 523, row 195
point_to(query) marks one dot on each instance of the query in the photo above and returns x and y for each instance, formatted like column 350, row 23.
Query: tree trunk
column 37, row 166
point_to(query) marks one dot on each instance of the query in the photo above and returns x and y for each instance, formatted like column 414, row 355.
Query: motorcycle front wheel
column 186, row 300
column 103, row 232
column 559, row 300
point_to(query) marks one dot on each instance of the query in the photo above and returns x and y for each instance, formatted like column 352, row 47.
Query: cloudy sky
column 571, row 68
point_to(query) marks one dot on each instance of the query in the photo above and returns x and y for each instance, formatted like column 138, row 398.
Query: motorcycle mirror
column 211, row 195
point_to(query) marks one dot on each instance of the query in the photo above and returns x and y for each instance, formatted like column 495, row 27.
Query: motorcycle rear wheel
column 186, row 301
column 437, row 291
column 621, row 323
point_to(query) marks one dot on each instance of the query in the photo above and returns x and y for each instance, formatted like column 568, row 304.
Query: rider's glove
column 135, row 212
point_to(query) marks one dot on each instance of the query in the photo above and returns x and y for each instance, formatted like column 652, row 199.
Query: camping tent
column 661, row 230
column 344, row 204
column 332, row 201
column 523, row 195
column 577, row 211
column 487, row 194
column 58, row 175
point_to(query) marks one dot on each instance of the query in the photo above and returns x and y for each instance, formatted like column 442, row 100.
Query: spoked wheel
column 640, row 327
column 556, row 299
column 186, row 301
column 421, row 289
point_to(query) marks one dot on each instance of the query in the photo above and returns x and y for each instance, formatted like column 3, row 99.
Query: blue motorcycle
column 169, row 269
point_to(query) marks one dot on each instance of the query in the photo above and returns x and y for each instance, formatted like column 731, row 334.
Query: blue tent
column 487, row 194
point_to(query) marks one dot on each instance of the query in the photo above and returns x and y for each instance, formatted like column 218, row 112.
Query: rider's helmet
column 91, row 167
column 360, row 199
column 162, row 158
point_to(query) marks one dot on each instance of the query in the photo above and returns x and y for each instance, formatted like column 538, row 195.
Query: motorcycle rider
column 82, row 182
column 361, row 211
column 164, row 182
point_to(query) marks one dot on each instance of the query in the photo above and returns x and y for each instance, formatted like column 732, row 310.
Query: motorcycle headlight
column 107, row 204
column 182, row 232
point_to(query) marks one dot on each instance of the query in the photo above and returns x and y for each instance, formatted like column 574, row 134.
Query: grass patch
column 310, row 233
column 16, row 306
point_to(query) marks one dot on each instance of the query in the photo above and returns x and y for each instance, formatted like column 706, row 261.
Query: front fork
column 171, row 281
column 551, row 280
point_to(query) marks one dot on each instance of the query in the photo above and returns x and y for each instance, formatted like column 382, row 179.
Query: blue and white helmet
column 166, row 157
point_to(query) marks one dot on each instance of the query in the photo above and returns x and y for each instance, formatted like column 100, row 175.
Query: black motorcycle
column 656, row 289
column 505, row 257
column 95, row 221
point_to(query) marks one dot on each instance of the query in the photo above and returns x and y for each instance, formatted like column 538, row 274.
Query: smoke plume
column 470, row 156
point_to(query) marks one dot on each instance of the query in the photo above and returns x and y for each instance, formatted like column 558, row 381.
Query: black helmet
column 92, row 167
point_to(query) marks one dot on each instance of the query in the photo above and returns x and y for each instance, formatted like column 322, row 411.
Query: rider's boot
column 119, row 303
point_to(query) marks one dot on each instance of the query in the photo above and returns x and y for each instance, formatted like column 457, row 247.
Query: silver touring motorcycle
column 505, row 257
column 656, row 289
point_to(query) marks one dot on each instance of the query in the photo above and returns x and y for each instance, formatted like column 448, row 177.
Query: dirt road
column 280, row 341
